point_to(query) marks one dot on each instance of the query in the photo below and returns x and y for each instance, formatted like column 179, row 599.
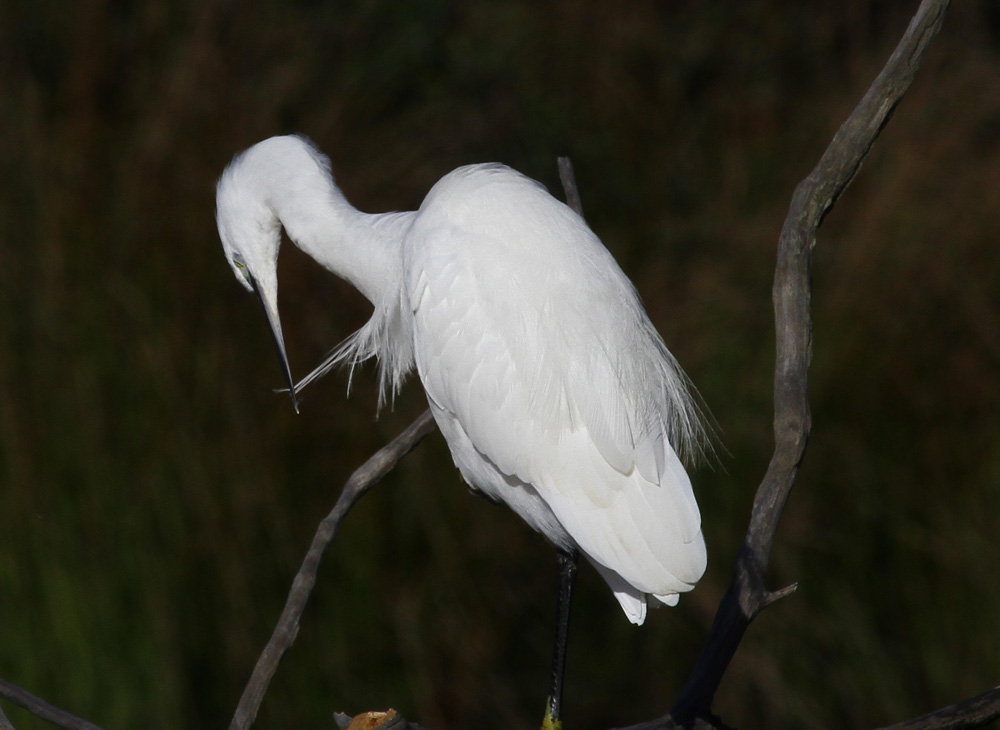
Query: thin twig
column 568, row 180
column 813, row 198
column 40, row 708
column 384, row 460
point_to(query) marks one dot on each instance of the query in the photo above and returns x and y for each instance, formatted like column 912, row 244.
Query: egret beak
column 274, row 324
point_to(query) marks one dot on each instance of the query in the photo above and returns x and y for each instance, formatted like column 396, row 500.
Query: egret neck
column 361, row 248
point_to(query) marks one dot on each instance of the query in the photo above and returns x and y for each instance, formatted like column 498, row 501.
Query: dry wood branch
column 40, row 708
column 4, row 722
column 366, row 476
column 975, row 712
column 813, row 198
column 568, row 180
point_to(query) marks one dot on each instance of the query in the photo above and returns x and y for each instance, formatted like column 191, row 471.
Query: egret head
column 251, row 235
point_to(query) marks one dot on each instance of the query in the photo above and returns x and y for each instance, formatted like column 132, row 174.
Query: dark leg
column 567, row 577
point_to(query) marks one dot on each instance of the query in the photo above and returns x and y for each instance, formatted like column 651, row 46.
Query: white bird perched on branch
column 551, row 386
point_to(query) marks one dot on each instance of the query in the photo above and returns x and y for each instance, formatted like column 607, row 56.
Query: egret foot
column 551, row 721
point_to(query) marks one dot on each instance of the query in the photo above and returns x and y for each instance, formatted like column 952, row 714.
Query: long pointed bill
column 274, row 324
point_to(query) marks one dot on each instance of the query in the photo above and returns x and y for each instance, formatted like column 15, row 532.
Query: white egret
column 543, row 371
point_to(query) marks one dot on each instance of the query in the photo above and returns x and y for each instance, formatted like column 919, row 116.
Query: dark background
column 156, row 498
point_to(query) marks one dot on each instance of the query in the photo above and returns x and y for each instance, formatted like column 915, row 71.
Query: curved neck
column 363, row 249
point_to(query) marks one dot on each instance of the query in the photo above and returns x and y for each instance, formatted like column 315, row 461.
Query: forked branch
column 813, row 198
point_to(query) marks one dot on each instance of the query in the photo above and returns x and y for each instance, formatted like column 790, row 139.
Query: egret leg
column 567, row 578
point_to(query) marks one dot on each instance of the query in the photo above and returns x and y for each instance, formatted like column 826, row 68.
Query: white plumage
column 546, row 377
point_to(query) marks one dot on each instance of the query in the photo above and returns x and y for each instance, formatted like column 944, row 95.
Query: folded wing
column 528, row 335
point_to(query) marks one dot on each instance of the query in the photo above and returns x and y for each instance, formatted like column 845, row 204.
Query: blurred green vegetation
column 156, row 498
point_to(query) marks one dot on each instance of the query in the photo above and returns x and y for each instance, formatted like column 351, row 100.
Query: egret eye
column 242, row 270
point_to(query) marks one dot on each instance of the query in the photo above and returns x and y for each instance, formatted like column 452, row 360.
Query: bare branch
column 4, row 722
column 568, row 180
column 775, row 596
column 366, row 476
column 975, row 712
column 813, row 198
column 972, row 713
column 40, row 708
